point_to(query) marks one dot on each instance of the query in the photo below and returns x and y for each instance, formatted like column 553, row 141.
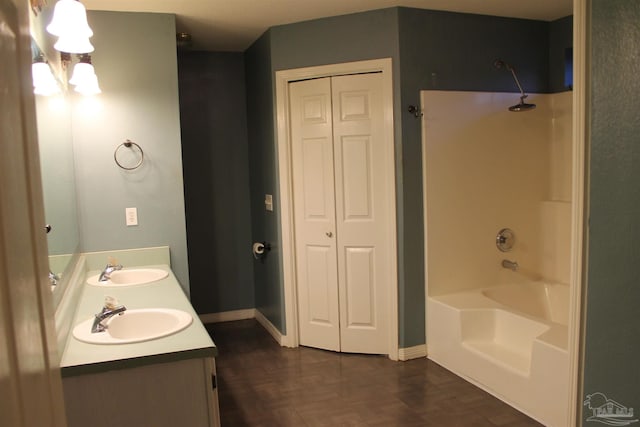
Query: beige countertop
column 193, row 342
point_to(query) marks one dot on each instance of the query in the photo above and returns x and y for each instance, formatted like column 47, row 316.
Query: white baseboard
column 414, row 352
column 404, row 354
column 228, row 316
column 275, row 333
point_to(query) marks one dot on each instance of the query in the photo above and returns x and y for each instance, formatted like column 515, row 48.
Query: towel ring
column 128, row 144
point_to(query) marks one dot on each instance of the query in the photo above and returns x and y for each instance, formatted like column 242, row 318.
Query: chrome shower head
column 522, row 106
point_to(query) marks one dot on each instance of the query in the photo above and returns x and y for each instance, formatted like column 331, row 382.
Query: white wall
column 487, row 168
column 135, row 60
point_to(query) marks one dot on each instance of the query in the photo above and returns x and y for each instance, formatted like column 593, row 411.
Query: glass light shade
column 73, row 44
column 83, row 72
column 44, row 83
column 89, row 87
column 69, row 17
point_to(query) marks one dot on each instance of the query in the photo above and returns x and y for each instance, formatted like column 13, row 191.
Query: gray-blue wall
column 269, row 296
column 560, row 39
column 612, row 332
column 430, row 50
column 213, row 116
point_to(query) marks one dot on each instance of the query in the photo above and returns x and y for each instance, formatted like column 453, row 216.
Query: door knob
column 329, row 234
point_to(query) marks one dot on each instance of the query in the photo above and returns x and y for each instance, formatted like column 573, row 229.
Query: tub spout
column 511, row 265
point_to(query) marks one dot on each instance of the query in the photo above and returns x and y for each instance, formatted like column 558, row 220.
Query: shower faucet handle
column 505, row 240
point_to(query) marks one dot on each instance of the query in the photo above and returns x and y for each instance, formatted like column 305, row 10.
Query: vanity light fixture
column 70, row 24
column 84, row 77
column 44, row 83
column 82, row 70
column 90, row 87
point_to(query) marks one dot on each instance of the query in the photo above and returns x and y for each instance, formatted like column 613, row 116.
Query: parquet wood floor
column 263, row 384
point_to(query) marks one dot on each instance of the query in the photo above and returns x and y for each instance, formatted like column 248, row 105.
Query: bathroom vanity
column 165, row 381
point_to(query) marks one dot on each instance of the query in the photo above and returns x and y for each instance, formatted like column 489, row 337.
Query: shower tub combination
column 489, row 164
column 510, row 340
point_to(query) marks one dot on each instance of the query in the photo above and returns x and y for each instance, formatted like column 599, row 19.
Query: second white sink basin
column 136, row 325
column 130, row 277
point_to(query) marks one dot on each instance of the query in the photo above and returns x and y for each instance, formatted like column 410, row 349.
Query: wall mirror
column 55, row 142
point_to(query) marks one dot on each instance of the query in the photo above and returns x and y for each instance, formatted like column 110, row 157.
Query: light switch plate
column 268, row 202
column 131, row 216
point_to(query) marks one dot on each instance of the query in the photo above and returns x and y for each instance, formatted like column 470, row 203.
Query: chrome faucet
column 511, row 265
column 110, row 309
column 53, row 278
column 106, row 273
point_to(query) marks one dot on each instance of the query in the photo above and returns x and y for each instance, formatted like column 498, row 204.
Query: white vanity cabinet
column 180, row 393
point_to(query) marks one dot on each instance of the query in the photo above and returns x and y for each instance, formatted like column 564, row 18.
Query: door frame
column 579, row 210
column 33, row 387
column 283, row 138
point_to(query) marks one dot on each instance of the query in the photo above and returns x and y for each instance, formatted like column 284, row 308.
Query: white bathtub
column 510, row 340
column 545, row 301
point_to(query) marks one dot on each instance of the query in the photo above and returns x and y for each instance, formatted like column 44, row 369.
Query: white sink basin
column 130, row 277
column 134, row 326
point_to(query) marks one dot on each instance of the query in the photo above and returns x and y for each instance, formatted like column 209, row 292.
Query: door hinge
column 214, row 382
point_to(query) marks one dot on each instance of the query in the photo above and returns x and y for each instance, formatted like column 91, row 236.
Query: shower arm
column 513, row 73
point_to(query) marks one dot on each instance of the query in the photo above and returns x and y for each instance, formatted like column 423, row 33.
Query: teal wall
column 135, row 59
column 430, row 50
column 213, row 118
column 612, row 342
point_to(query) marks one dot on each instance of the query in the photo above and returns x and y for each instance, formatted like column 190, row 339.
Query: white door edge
column 579, row 208
column 286, row 194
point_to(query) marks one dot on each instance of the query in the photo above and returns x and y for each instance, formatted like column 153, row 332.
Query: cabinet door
column 160, row 395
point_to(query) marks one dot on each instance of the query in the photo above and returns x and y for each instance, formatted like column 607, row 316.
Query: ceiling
column 232, row 25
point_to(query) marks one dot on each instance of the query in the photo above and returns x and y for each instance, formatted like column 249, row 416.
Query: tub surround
column 555, row 220
column 487, row 168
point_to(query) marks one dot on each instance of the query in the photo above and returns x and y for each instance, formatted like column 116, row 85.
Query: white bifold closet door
column 341, row 212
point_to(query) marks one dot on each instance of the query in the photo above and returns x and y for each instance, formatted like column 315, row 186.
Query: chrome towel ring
column 129, row 144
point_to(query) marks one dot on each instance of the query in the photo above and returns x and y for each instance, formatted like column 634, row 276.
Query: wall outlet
column 131, row 215
column 268, row 202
